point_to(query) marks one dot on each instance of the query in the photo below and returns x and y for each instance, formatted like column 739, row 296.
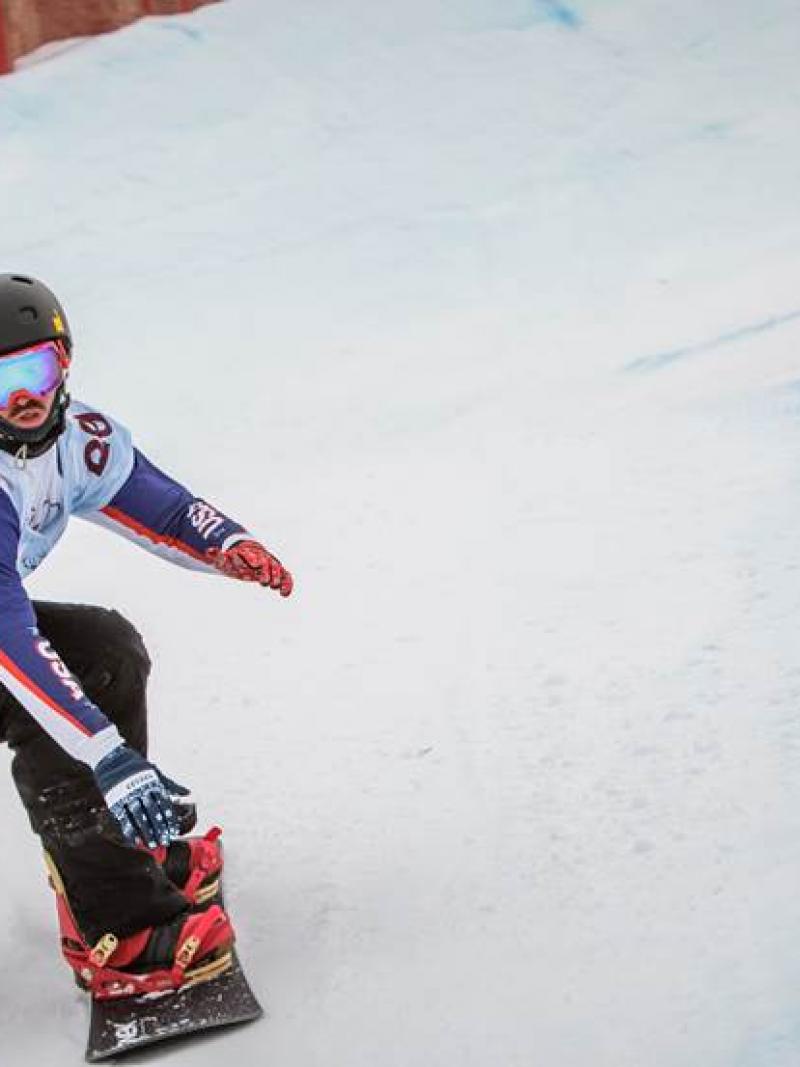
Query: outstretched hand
column 249, row 561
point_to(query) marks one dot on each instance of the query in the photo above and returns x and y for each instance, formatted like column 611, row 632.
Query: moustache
column 26, row 404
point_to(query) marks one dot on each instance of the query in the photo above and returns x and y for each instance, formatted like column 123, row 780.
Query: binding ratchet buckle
column 104, row 950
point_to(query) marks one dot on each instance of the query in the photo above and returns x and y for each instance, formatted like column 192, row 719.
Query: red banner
column 27, row 24
column 6, row 64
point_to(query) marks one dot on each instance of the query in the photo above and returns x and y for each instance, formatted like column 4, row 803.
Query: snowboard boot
column 186, row 950
column 194, row 865
column 191, row 948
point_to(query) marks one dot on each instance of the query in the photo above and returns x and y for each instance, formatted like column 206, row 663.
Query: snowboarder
column 73, row 708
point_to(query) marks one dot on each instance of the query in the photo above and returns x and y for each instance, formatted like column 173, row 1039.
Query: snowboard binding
column 192, row 948
column 194, row 865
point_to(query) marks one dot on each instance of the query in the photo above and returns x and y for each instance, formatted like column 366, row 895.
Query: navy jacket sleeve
column 32, row 670
column 164, row 517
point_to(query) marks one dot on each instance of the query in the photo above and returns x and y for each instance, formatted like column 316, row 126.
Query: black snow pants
column 112, row 887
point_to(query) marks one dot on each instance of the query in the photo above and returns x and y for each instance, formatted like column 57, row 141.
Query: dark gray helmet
column 31, row 314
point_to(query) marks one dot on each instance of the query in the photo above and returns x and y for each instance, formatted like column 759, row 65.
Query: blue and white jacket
column 95, row 472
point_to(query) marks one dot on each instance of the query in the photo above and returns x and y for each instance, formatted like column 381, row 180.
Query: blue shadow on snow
column 532, row 13
column 557, row 11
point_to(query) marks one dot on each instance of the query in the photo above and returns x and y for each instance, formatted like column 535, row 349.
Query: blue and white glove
column 144, row 801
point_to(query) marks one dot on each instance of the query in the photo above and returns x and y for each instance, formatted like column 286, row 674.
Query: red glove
column 250, row 562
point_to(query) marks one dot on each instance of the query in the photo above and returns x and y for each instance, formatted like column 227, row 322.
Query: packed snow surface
column 484, row 316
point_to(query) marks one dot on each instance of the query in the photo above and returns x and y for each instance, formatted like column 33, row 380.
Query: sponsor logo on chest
column 42, row 513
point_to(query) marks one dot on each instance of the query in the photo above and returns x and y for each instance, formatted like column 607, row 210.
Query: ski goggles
column 36, row 370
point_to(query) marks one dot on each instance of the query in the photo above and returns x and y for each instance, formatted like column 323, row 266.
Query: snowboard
column 123, row 1025
column 119, row 1026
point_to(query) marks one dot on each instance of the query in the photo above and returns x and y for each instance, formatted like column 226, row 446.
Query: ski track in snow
column 513, row 779
column 664, row 359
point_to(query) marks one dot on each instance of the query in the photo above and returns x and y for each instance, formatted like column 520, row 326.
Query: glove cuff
column 235, row 539
column 118, row 765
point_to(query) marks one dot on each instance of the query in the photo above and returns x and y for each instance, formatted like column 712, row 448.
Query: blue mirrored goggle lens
column 36, row 371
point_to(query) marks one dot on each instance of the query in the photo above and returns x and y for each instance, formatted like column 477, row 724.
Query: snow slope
column 484, row 315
